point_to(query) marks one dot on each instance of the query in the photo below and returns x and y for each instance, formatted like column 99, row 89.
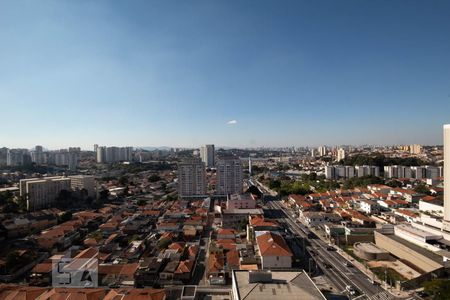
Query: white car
column 350, row 290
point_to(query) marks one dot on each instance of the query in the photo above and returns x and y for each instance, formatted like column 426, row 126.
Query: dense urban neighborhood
column 296, row 223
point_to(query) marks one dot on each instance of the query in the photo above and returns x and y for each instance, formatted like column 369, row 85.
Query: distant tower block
column 250, row 166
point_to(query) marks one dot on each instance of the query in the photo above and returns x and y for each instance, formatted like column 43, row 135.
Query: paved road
column 339, row 274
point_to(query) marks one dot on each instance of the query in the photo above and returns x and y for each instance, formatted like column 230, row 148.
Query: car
column 327, row 265
column 373, row 281
column 350, row 290
column 331, row 248
column 348, row 264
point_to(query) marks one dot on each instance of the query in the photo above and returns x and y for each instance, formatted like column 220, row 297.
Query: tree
column 438, row 289
column 154, row 178
column 12, row 260
column 422, row 189
column 11, row 207
column 103, row 195
column 64, row 217
column 141, row 202
column 6, row 197
column 394, row 183
column 163, row 243
column 123, row 180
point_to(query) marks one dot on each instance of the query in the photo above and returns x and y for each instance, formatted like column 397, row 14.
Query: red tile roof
column 272, row 244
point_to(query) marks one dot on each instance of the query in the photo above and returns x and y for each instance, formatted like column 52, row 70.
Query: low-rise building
column 274, row 251
column 261, row 284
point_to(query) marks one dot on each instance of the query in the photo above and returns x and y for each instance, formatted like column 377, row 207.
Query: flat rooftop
column 369, row 247
column 285, row 285
column 417, row 232
column 429, row 254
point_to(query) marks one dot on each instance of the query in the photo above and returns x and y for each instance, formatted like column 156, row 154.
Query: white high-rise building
column 229, row 176
column 114, row 154
column 86, row 182
column 322, row 150
column 38, row 156
column 101, row 154
column 415, row 149
column 447, row 173
column 207, row 155
column 340, row 154
column 17, row 157
column 191, row 178
column 330, row 172
column 42, row 192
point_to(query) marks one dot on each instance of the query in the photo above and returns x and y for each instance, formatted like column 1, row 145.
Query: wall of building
column 269, row 262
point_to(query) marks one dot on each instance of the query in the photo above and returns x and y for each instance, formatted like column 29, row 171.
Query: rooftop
column 285, row 285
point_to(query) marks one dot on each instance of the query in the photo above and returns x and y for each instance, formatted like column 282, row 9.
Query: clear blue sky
column 155, row 73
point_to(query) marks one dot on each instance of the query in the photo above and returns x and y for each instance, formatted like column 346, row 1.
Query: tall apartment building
column 191, row 178
column 340, row 154
column 419, row 172
column 345, row 172
column 397, row 172
column 415, row 149
column 207, row 155
column 322, row 150
column 114, row 154
column 80, row 182
column 42, row 192
column 229, row 176
column 38, row 156
column 101, row 154
column 367, row 171
column 17, row 157
column 3, row 156
column 65, row 158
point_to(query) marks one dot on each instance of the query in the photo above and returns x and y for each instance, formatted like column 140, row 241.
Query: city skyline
column 226, row 73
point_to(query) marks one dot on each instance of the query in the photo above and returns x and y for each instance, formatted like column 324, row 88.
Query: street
column 331, row 262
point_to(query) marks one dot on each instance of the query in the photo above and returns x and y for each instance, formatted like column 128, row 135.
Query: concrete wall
column 351, row 239
column 269, row 262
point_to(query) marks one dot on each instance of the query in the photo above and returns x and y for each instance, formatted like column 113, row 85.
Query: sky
column 232, row 73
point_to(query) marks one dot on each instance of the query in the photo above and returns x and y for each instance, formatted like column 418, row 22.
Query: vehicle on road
column 350, row 290
column 348, row 264
column 327, row 265
column 331, row 248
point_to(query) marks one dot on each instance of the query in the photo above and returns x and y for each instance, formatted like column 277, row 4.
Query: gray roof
column 285, row 285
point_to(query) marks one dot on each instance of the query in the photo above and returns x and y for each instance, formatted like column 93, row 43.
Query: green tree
column 154, row 178
column 64, row 217
column 123, row 180
column 6, row 197
column 141, row 202
column 394, row 183
column 422, row 189
column 438, row 289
